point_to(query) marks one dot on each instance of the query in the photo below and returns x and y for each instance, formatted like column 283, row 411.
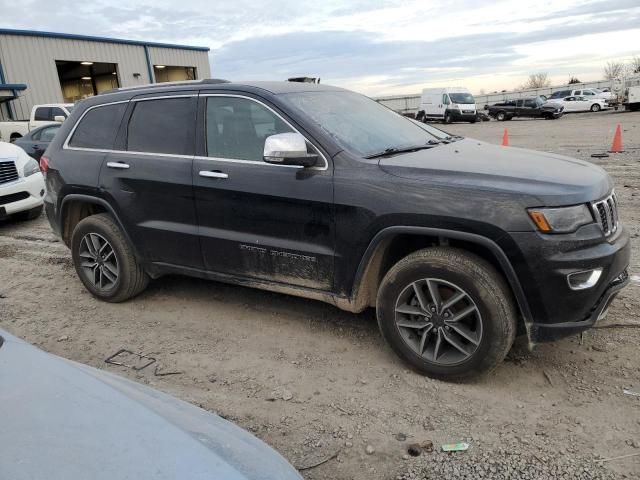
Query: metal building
column 44, row 67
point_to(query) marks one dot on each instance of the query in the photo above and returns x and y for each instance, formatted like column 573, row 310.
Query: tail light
column 44, row 164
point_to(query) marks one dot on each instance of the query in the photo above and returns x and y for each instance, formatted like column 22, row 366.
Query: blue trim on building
column 152, row 77
column 13, row 86
column 10, row 86
column 89, row 38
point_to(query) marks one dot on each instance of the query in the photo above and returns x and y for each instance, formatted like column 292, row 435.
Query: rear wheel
column 104, row 260
column 595, row 107
column 447, row 313
column 14, row 137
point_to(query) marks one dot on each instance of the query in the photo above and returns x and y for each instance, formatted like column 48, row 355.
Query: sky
column 375, row 47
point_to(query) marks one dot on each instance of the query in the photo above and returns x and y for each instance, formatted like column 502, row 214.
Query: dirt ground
column 311, row 380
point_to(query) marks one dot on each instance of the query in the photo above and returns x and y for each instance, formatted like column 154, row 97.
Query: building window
column 80, row 80
column 167, row 73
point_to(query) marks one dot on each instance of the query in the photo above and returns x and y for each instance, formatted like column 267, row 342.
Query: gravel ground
column 319, row 384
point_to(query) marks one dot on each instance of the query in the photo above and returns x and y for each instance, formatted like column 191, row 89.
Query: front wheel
column 104, row 260
column 447, row 118
column 501, row 116
column 447, row 313
column 595, row 107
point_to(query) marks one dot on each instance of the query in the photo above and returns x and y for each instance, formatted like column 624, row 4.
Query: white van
column 452, row 104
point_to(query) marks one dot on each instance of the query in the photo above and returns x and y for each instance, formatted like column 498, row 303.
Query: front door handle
column 213, row 174
column 120, row 165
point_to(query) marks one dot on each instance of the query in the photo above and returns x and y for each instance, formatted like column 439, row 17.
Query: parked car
column 21, row 184
column 113, row 428
column 452, row 104
column 583, row 92
column 532, row 107
column 40, row 115
column 36, row 141
column 323, row 193
column 580, row 104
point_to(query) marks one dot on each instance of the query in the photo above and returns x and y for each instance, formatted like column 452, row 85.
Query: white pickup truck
column 40, row 115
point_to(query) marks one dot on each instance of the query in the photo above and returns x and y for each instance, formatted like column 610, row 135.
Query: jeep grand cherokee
column 323, row 193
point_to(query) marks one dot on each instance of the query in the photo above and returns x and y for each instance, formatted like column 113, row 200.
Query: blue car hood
column 60, row 420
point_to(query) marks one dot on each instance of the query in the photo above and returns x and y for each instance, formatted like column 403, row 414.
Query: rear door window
column 42, row 114
column 164, row 125
column 98, row 127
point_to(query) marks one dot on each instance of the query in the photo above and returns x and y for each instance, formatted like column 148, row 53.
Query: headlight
column 31, row 167
column 560, row 220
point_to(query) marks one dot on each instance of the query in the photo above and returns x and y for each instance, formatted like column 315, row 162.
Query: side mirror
column 288, row 149
column 59, row 118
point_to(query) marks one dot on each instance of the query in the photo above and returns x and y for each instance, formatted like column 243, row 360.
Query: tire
column 595, row 107
column 490, row 322
column 473, row 121
column 29, row 214
column 501, row 116
column 447, row 118
column 130, row 278
column 14, row 137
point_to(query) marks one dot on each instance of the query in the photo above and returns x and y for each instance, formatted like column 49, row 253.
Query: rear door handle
column 213, row 174
column 120, row 165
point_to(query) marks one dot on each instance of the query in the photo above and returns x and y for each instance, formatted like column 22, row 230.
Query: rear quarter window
column 163, row 126
column 98, row 127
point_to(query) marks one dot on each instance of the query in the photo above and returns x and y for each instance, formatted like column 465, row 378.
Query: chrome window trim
column 255, row 162
column 66, row 145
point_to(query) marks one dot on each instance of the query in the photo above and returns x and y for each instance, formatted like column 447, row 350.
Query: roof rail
column 205, row 81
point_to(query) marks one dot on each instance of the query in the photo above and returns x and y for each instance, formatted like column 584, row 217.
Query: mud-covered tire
column 486, row 290
column 131, row 278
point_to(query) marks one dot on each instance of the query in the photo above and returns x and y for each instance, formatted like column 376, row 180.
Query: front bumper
column 543, row 263
column 21, row 195
column 458, row 116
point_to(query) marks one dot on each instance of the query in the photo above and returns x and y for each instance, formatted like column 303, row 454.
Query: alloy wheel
column 99, row 262
column 439, row 321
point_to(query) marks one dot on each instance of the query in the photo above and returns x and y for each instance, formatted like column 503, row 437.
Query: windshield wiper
column 396, row 150
column 452, row 138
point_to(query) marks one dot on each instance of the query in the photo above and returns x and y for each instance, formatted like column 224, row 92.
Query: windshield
column 462, row 98
column 360, row 124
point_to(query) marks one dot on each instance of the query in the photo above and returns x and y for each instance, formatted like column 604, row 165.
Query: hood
column 552, row 180
column 62, row 420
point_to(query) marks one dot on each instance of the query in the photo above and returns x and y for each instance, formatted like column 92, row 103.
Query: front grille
column 606, row 213
column 13, row 197
column 8, row 172
column 468, row 111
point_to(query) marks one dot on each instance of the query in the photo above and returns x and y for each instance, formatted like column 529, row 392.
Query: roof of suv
column 214, row 83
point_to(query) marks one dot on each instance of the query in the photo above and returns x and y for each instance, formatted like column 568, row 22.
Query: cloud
column 377, row 46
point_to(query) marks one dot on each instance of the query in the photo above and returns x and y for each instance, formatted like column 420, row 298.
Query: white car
column 21, row 184
column 578, row 103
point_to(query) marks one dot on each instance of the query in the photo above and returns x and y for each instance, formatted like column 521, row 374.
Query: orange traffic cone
column 616, row 146
column 505, row 138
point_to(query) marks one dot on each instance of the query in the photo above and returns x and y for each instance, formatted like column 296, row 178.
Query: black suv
column 320, row 192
